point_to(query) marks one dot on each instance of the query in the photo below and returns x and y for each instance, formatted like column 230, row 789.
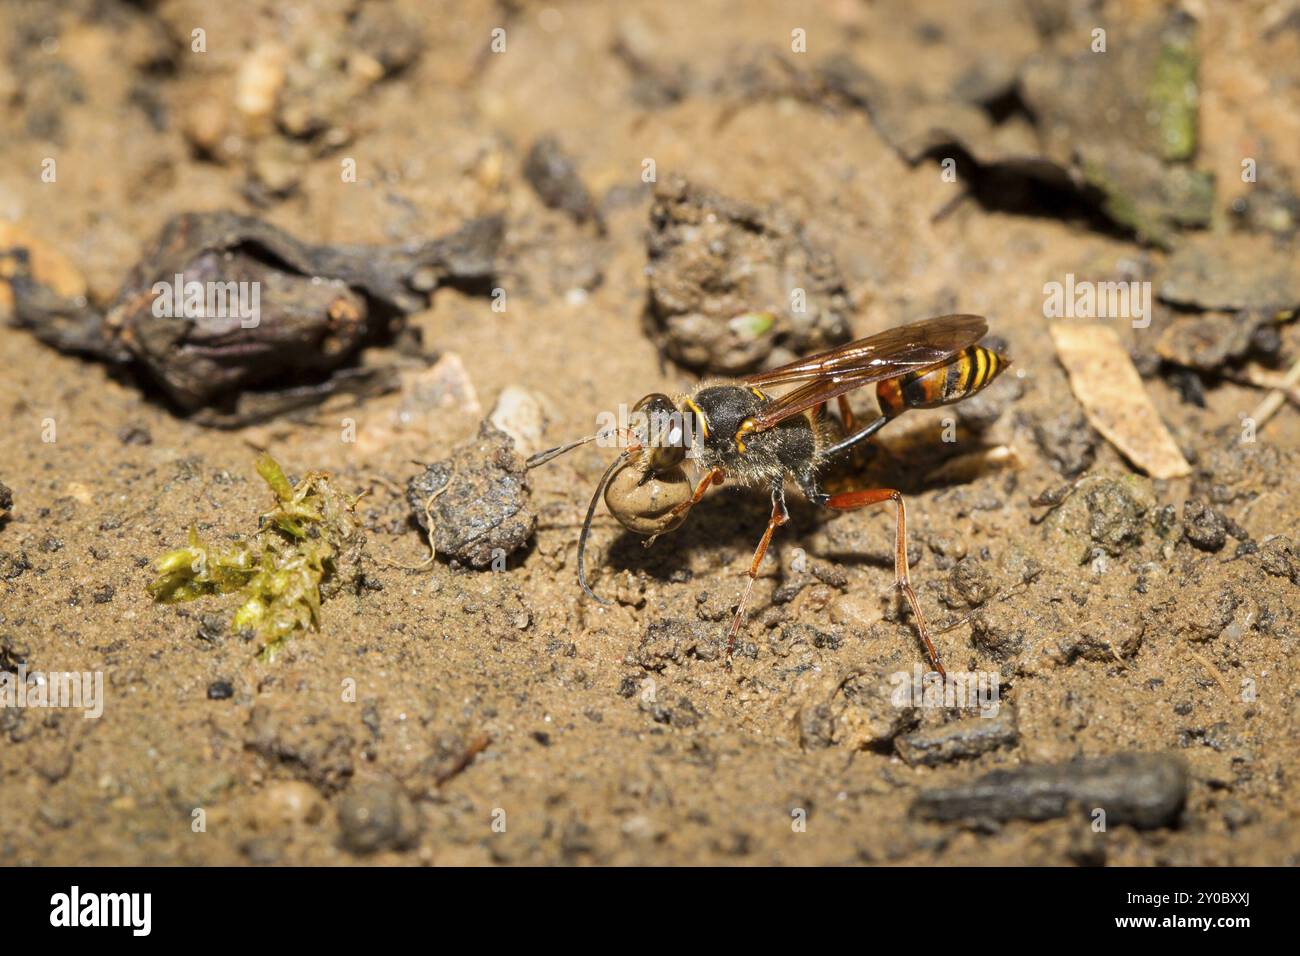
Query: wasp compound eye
column 662, row 429
column 644, row 502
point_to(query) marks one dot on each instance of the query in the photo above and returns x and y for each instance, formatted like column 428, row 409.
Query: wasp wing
column 893, row 352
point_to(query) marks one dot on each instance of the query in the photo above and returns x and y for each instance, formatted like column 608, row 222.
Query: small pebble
column 376, row 815
column 518, row 413
column 1204, row 527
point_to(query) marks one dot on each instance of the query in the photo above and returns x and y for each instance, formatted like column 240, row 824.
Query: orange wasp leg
column 714, row 476
column 779, row 517
column 846, row 414
column 851, row 501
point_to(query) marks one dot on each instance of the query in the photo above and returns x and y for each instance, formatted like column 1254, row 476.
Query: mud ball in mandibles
column 478, row 499
column 644, row 503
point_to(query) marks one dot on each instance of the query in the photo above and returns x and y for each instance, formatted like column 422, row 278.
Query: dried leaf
column 1112, row 395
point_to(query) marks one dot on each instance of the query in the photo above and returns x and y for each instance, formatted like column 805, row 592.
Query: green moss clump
column 196, row 570
column 1185, row 197
column 1173, row 97
column 300, row 548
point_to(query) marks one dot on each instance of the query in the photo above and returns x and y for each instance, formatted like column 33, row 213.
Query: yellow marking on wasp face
column 704, row 419
column 746, row 426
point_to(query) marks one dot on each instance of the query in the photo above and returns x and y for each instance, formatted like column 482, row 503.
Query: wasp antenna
column 586, row 526
column 542, row 457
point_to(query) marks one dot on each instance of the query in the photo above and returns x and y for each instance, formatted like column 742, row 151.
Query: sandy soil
column 615, row 735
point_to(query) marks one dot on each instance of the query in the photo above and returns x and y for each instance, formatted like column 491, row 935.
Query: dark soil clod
column 959, row 740
column 478, row 499
column 1144, row 790
column 554, row 176
column 722, row 274
column 1203, row 526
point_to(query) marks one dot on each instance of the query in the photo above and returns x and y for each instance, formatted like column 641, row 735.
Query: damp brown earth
column 479, row 708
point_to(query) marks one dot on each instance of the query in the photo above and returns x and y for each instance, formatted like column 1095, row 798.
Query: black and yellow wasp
column 739, row 432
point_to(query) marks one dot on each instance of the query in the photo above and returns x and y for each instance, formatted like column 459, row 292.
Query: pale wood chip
column 1113, row 397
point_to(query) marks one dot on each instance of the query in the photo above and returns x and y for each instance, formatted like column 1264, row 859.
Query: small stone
column 1208, row 340
column 643, row 829
column 856, row 611
column 53, row 766
column 675, row 641
column 1115, row 515
column 277, row 166
column 262, row 851
column 960, row 739
column 220, row 690
column 376, row 815
column 258, row 83
column 13, row 564
column 290, row 802
column 554, row 176
column 1067, row 441
column 1204, row 527
column 443, row 386
column 969, row 584
column 816, row 727
column 310, row 740
column 58, row 810
column 519, row 414
column 999, row 631
column 1278, row 557
column 134, row 435
column 1229, row 273
column 205, row 124
column 212, row 628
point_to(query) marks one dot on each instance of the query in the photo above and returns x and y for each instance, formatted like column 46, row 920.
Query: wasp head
column 660, row 428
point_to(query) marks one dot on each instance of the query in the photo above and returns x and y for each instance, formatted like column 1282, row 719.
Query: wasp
column 740, row 432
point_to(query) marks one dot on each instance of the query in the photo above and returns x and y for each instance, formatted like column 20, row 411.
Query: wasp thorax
column 643, row 498
column 661, row 429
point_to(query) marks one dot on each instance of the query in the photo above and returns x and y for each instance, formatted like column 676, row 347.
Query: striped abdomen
column 968, row 372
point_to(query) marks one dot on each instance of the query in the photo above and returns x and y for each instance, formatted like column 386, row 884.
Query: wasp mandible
column 739, row 432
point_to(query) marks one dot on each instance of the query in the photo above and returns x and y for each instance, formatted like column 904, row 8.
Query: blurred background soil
column 458, row 716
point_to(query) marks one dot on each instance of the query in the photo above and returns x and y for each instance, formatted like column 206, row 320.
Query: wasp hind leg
column 779, row 517
column 853, row 500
